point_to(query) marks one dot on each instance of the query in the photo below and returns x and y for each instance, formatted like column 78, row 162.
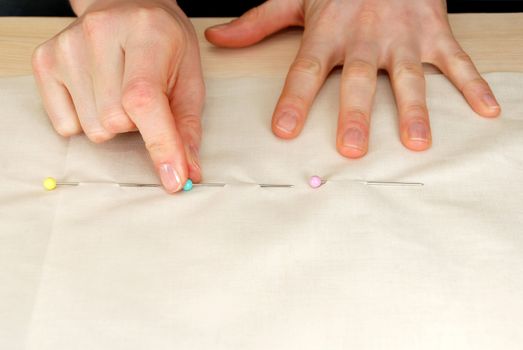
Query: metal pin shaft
column 131, row 184
column 203, row 184
column 391, row 183
column 219, row 184
column 275, row 186
column 387, row 183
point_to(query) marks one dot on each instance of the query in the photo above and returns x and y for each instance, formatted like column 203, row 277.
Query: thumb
column 256, row 24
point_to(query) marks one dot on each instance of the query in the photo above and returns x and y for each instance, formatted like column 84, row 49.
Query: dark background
column 228, row 8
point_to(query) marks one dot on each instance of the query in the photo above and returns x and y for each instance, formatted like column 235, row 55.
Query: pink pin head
column 315, row 181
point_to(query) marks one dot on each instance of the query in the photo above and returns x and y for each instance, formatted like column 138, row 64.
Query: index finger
column 149, row 67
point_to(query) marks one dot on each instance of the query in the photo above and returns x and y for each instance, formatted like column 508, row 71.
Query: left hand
column 364, row 36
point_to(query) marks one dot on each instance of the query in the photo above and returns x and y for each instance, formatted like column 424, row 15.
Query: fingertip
column 416, row 134
column 283, row 135
column 173, row 177
column 244, row 31
column 286, row 124
column 212, row 34
column 217, row 28
column 417, row 146
column 352, row 142
column 490, row 113
column 232, row 39
column 67, row 127
column 353, row 153
column 255, row 24
column 235, row 34
column 417, row 137
column 99, row 136
column 485, row 105
column 195, row 174
column 117, row 124
column 493, row 112
column 171, row 166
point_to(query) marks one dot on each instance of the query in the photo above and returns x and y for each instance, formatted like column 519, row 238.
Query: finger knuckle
column 327, row 13
column 441, row 48
column 461, row 57
column 42, row 59
column 359, row 116
column 475, row 83
column 190, row 120
column 254, row 14
column 310, row 65
column 368, row 17
column 94, row 24
column 139, row 95
column 66, row 43
column 66, row 129
column 436, row 17
column 294, row 101
column 159, row 144
column 159, row 23
column 359, row 69
column 415, row 110
column 98, row 136
column 114, row 120
column 151, row 16
column 408, row 68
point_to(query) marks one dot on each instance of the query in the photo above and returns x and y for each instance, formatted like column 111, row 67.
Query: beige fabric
column 342, row 267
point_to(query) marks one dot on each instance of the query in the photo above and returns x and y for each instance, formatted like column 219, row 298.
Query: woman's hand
column 363, row 36
column 127, row 65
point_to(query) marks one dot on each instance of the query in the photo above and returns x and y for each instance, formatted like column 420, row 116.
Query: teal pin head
column 188, row 185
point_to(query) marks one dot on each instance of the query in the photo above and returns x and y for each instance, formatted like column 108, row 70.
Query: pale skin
column 97, row 75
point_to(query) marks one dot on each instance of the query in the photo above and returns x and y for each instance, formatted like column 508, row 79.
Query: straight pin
column 275, row 186
column 203, row 184
column 392, row 183
column 316, row 181
column 51, row 183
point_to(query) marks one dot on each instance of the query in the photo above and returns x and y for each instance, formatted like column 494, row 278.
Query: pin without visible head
column 316, row 182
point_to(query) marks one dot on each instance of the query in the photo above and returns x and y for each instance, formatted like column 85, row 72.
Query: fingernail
column 170, row 178
column 354, row 138
column 287, row 122
column 490, row 101
column 418, row 131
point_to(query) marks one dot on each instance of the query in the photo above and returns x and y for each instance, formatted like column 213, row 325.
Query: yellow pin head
column 49, row 183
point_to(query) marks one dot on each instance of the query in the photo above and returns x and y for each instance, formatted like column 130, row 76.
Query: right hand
column 124, row 66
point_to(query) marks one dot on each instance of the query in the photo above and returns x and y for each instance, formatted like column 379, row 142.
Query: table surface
column 494, row 41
